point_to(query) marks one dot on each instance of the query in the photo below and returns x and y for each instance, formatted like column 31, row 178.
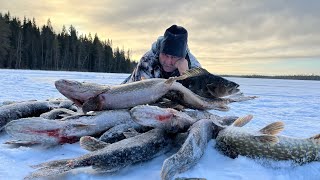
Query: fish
column 58, row 113
column 111, row 158
column 65, row 103
column 170, row 120
column 79, row 92
column 92, row 144
column 118, row 132
column 174, row 121
column 94, row 97
column 67, row 130
column 209, row 85
column 22, row 110
column 234, row 140
column 190, row 153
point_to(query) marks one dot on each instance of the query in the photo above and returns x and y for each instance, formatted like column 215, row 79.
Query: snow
column 294, row 102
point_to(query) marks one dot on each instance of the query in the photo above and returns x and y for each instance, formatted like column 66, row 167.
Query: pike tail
column 52, row 168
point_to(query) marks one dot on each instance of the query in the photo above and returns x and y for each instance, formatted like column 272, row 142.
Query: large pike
column 209, row 85
column 94, row 97
column 68, row 130
column 168, row 119
column 235, row 140
column 201, row 125
column 172, row 120
column 22, row 110
column 111, row 158
column 190, row 153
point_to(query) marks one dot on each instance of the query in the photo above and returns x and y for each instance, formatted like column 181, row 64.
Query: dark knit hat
column 175, row 41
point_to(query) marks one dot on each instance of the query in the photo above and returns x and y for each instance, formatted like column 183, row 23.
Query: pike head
column 79, row 92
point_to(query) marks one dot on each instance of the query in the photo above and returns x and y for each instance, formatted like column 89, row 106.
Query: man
column 168, row 57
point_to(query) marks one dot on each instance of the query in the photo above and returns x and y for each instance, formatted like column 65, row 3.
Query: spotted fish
column 235, row 140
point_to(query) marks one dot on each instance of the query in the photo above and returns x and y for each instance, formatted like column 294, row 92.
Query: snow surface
column 294, row 102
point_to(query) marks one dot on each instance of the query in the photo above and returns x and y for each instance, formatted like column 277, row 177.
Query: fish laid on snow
column 210, row 86
column 172, row 120
column 58, row 113
column 152, row 113
column 118, row 132
column 24, row 109
column 52, row 132
column 111, row 158
column 165, row 118
column 200, row 134
column 235, row 140
column 92, row 144
column 95, row 97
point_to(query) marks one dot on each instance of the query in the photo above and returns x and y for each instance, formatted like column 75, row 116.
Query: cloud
column 219, row 30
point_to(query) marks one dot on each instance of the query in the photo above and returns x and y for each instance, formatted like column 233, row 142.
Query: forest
column 25, row 45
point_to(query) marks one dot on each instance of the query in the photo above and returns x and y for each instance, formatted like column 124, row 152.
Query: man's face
column 168, row 62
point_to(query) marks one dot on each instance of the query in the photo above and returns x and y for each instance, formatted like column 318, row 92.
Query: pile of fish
column 118, row 128
column 95, row 97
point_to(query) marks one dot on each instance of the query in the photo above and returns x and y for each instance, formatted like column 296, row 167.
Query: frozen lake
column 295, row 102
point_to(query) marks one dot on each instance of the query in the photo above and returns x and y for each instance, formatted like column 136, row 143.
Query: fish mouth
column 233, row 91
column 233, row 88
column 71, row 90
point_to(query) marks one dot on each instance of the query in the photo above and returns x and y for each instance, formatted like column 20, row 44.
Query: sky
column 267, row 37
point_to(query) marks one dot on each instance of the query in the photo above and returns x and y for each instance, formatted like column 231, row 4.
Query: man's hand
column 182, row 65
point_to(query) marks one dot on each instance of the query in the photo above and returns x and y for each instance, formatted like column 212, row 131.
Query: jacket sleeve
column 193, row 60
column 144, row 69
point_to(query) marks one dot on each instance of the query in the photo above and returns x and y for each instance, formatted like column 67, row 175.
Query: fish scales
column 234, row 141
column 113, row 157
column 40, row 130
column 136, row 93
column 23, row 110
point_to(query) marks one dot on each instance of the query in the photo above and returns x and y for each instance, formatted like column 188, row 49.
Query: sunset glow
column 228, row 37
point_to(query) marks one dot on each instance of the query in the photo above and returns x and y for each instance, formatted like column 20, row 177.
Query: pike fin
column 241, row 121
column 170, row 80
column 316, row 137
column 92, row 144
column 198, row 71
column 272, row 129
column 51, row 169
column 93, row 104
column 75, row 117
column 131, row 133
column 270, row 139
column 22, row 143
column 82, row 125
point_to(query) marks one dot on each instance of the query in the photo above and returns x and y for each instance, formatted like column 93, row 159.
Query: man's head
column 173, row 47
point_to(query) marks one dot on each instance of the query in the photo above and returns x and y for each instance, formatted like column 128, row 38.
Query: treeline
column 294, row 77
column 23, row 45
